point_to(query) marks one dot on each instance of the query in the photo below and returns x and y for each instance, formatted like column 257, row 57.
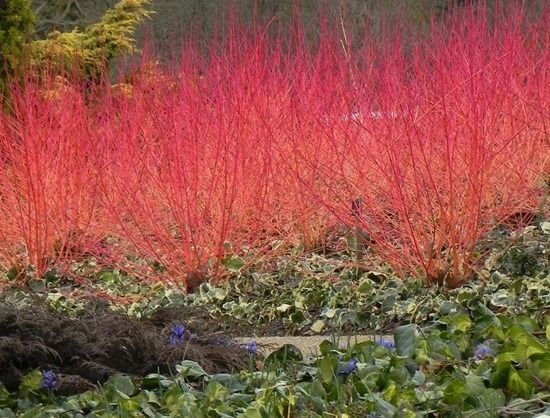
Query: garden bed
column 439, row 348
column 477, row 353
column 154, row 231
column 87, row 350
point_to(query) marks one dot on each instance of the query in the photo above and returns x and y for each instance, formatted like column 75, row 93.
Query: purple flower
column 251, row 347
column 482, row 351
column 49, row 380
column 348, row 368
column 386, row 344
column 177, row 335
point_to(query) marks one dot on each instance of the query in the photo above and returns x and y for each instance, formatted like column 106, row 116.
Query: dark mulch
column 89, row 349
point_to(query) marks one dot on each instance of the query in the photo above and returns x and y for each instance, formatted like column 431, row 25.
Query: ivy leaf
column 474, row 385
column 190, row 368
column 283, row 307
column 385, row 409
column 318, row 326
column 330, row 313
column 462, row 322
column 327, row 367
column 252, row 412
column 365, row 287
column 233, row 263
column 121, row 385
column 215, row 391
column 405, row 345
column 419, row 378
column 297, row 317
column 541, row 366
column 37, row 285
column 31, row 382
column 519, row 383
column 405, row 340
column 492, row 399
column 326, row 347
column 287, row 353
column 455, row 392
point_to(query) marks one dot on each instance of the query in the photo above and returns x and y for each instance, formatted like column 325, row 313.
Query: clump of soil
column 89, row 349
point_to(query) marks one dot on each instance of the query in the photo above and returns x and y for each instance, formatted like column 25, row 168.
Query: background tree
column 16, row 28
column 96, row 44
column 88, row 48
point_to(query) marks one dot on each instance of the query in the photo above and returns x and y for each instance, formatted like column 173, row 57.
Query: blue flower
column 482, row 350
column 386, row 344
column 348, row 368
column 251, row 347
column 177, row 335
column 49, row 380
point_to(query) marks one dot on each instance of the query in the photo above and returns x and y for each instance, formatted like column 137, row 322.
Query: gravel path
column 310, row 344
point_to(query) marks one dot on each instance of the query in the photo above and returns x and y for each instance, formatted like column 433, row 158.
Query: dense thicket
column 253, row 151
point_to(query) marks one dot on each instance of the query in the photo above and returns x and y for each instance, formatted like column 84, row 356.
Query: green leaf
column 283, row 307
column 122, row 384
column 455, row 392
column 492, row 399
column 12, row 273
column 399, row 374
column 518, row 384
column 330, row 313
column 390, row 392
column 31, row 382
column 155, row 381
column 405, row 340
column 50, row 276
column 252, row 412
column 318, row 326
column 327, row 367
column 501, row 298
column 287, row 353
column 365, row 286
column 462, row 322
column 233, row 263
column 541, row 366
column 326, row 347
column 474, row 385
column 384, row 408
column 297, row 317
column 190, row 368
column 216, row 392
column 419, row 378
column 37, row 285
column 7, row 413
column 108, row 276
